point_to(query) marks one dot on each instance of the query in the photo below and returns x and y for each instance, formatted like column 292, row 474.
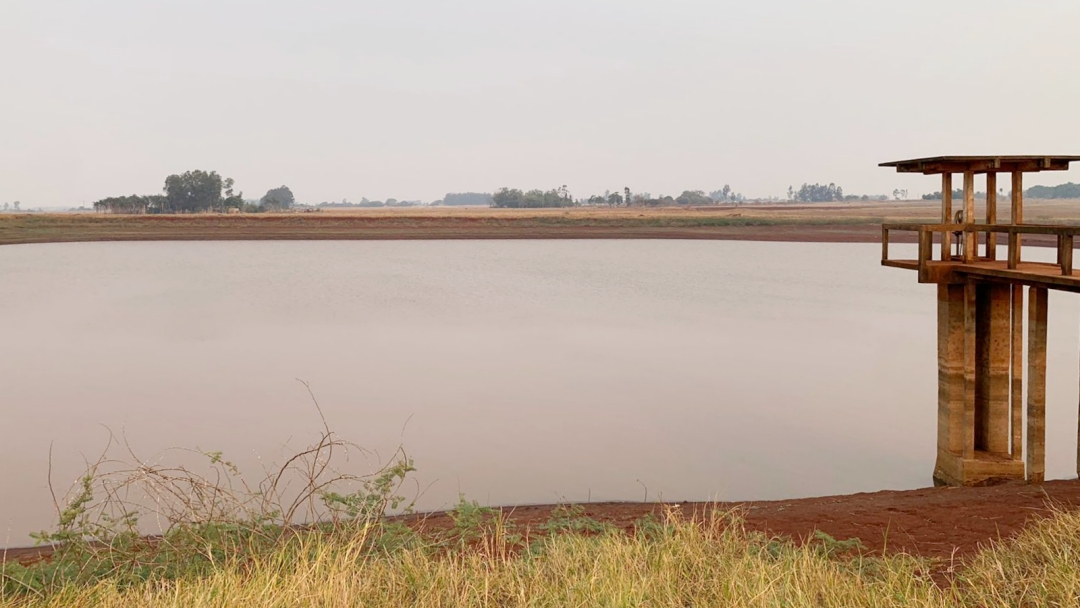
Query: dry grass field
column 835, row 222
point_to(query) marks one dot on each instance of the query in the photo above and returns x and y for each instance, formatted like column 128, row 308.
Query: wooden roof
column 982, row 164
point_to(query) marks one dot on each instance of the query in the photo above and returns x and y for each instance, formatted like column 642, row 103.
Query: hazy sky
column 417, row 98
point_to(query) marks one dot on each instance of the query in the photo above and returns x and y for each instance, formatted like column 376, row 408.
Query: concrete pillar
column 1016, row 397
column 992, row 363
column 1036, row 402
column 950, row 384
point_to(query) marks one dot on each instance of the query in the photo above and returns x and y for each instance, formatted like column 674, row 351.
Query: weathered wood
column 991, row 214
column 970, row 237
column 1065, row 249
column 884, row 243
column 1036, row 401
column 1017, row 372
column 946, row 215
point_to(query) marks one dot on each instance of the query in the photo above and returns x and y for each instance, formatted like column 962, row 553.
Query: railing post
column 1014, row 249
column 991, row 215
column 1065, row 253
column 971, row 238
column 884, row 243
column 926, row 250
column 946, row 216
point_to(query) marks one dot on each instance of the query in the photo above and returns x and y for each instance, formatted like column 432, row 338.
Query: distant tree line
column 1066, row 190
column 465, row 198
column 197, row 192
column 513, row 198
column 12, row 206
column 364, row 202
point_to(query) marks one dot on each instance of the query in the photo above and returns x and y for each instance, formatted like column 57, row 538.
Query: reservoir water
column 511, row 371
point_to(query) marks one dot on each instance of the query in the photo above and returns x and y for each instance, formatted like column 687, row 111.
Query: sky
column 414, row 99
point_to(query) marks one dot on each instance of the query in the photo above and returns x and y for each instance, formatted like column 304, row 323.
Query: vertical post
column 884, row 243
column 971, row 239
column 1017, row 396
column 970, row 296
column 1066, row 253
column 991, row 215
column 926, row 250
column 946, row 215
column 1016, row 217
column 1036, row 404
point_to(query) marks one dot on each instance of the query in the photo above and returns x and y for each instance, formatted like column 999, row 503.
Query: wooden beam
column 1016, row 398
column 884, row 243
column 1036, row 401
column 946, row 215
column 991, row 214
column 970, row 238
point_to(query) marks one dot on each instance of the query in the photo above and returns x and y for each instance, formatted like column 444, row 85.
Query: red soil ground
column 932, row 522
column 943, row 523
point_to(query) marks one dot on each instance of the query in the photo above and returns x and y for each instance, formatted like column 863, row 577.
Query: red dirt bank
column 932, row 522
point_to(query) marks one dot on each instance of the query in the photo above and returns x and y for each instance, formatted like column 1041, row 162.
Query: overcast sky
column 412, row 99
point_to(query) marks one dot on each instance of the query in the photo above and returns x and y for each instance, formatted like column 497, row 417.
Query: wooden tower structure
column 981, row 297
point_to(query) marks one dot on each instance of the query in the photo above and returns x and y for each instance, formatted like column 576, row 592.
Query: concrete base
column 983, row 470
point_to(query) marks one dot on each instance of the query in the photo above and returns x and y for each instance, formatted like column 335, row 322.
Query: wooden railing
column 969, row 235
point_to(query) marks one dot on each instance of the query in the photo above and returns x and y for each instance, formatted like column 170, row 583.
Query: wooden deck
column 1026, row 273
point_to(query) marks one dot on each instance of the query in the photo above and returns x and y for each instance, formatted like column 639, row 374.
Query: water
column 512, row 371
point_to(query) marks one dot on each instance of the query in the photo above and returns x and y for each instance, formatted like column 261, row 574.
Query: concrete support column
column 1016, row 397
column 992, row 362
column 1036, row 402
column 951, row 370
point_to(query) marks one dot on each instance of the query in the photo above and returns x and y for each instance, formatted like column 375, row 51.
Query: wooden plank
column 1036, row 401
column 991, row 214
column 884, row 243
column 1016, row 398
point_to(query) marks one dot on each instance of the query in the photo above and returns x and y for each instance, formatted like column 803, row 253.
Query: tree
column 194, row 191
column 15, row 205
column 615, row 199
column 817, row 193
column 6, row 206
column 278, row 198
column 693, row 197
column 467, row 198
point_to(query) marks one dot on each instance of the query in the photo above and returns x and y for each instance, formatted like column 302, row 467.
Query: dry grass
column 713, row 562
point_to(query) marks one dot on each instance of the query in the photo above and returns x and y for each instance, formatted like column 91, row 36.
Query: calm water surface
column 512, row 371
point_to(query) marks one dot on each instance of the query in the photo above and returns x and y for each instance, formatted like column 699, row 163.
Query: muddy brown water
column 514, row 372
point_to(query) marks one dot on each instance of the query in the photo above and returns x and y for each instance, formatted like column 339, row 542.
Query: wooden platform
column 1037, row 274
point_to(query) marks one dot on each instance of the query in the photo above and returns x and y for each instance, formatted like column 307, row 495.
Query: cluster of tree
column 12, row 206
column 1066, row 190
column 465, row 198
column 516, row 199
column 816, row 193
column 645, row 199
column 197, row 192
column 135, row 203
